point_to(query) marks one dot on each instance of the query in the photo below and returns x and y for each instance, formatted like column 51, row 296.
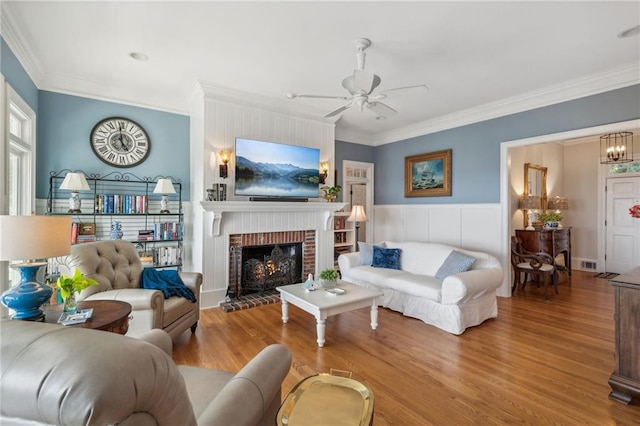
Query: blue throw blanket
column 167, row 281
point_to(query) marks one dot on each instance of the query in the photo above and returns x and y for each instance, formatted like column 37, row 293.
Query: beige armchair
column 52, row 374
column 116, row 266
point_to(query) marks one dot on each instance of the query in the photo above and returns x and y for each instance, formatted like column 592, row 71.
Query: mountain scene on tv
column 293, row 176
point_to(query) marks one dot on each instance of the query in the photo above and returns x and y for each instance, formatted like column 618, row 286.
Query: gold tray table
column 326, row 399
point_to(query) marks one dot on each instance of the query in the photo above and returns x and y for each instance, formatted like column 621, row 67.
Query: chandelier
column 616, row 148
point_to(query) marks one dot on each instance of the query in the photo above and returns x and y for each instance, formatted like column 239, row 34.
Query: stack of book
column 120, row 204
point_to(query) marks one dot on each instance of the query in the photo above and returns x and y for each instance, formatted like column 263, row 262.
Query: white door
column 622, row 250
column 358, row 186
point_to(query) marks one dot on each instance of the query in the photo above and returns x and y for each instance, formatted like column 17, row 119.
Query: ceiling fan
column 360, row 85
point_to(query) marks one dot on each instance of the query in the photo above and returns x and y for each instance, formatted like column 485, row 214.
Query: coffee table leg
column 285, row 310
column 374, row 315
column 320, row 327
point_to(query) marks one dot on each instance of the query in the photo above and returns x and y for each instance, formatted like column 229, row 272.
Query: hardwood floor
column 538, row 362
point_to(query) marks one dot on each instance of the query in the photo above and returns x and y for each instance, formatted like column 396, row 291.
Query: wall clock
column 120, row 142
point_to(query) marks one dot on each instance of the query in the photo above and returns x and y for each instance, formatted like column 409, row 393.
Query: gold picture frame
column 428, row 175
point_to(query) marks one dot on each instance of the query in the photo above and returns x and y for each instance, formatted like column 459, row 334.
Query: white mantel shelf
column 218, row 209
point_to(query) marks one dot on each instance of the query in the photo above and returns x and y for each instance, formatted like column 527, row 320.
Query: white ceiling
column 479, row 59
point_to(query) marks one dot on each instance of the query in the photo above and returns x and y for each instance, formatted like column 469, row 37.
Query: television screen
column 267, row 169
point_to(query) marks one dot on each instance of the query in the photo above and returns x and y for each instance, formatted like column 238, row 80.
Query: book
column 78, row 317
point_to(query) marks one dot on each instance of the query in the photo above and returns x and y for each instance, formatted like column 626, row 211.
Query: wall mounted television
column 273, row 171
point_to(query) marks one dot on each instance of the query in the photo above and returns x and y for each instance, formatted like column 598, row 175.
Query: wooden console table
column 625, row 380
column 552, row 242
column 108, row 315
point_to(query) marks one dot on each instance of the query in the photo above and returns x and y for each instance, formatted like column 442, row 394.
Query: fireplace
column 260, row 262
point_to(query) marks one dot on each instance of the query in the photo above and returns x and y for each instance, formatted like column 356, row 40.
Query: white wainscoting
column 216, row 247
column 468, row 226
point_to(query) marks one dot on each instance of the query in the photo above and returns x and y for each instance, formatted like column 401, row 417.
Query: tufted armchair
column 116, row 266
column 56, row 375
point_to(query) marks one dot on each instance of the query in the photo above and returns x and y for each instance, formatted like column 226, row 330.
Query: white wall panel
column 215, row 129
column 444, row 225
column 468, row 226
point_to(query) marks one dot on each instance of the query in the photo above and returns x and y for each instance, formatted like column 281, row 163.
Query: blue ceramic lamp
column 31, row 239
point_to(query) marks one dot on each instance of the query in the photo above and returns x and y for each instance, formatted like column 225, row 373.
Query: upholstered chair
column 61, row 375
column 540, row 266
column 116, row 266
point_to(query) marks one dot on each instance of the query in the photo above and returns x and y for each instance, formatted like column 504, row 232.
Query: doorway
column 358, row 190
column 622, row 244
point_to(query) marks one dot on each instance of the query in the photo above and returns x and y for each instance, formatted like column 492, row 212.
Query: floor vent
column 588, row 265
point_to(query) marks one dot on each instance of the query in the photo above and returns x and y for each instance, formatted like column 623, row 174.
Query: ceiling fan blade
column 301, row 95
column 339, row 110
column 381, row 109
column 418, row 86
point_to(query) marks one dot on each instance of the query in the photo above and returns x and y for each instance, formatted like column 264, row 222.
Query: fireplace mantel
column 218, row 209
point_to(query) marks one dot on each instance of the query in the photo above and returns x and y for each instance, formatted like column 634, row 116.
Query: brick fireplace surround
column 237, row 241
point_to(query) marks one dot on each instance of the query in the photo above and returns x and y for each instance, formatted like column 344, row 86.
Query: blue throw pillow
column 455, row 263
column 386, row 257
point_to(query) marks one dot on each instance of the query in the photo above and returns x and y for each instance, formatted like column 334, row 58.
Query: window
column 19, row 162
column 616, row 169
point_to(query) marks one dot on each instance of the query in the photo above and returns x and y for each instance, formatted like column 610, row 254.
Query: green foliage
column 549, row 217
column 77, row 283
column 329, row 275
column 331, row 192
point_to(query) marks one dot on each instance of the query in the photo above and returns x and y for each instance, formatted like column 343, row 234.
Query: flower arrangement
column 635, row 211
column 549, row 217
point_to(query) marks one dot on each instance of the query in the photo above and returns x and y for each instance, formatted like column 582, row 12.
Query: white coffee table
column 322, row 304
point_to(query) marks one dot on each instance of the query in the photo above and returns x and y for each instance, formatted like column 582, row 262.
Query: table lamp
column 31, row 238
column 531, row 203
column 558, row 203
column 357, row 215
column 75, row 182
column 164, row 187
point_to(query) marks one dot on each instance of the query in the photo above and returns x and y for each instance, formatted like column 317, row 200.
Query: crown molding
column 136, row 96
column 615, row 78
column 217, row 92
column 19, row 43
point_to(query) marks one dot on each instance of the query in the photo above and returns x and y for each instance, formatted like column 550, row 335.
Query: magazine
column 78, row 317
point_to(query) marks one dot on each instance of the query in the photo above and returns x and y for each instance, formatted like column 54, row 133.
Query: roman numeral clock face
column 120, row 142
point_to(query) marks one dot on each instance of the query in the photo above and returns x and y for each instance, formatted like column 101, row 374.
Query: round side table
column 108, row 315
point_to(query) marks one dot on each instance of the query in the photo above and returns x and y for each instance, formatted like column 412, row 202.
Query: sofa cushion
column 386, row 258
column 416, row 285
column 455, row 263
column 175, row 308
column 371, row 275
column 421, row 258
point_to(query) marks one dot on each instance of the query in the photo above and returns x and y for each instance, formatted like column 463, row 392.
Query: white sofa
column 459, row 301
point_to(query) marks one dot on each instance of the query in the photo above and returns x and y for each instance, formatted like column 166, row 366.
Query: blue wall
column 65, row 123
column 353, row 152
column 17, row 77
column 476, row 147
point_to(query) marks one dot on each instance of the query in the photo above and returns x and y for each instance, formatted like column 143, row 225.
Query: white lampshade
column 357, row 214
column 75, row 182
column 164, row 186
column 34, row 237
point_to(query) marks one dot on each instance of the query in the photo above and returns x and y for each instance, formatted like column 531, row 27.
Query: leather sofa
column 458, row 301
column 52, row 374
column 116, row 266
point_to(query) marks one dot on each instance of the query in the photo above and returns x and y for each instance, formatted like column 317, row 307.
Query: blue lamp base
column 26, row 297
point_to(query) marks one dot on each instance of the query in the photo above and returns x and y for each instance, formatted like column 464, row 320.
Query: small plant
column 329, row 275
column 331, row 192
column 549, row 217
column 76, row 283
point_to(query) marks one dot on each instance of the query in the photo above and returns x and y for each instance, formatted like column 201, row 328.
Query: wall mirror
column 535, row 184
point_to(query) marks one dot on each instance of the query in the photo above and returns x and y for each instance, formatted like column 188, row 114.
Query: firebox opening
column 266, row 267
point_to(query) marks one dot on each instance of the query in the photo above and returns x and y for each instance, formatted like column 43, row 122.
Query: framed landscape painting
column 428, row 175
